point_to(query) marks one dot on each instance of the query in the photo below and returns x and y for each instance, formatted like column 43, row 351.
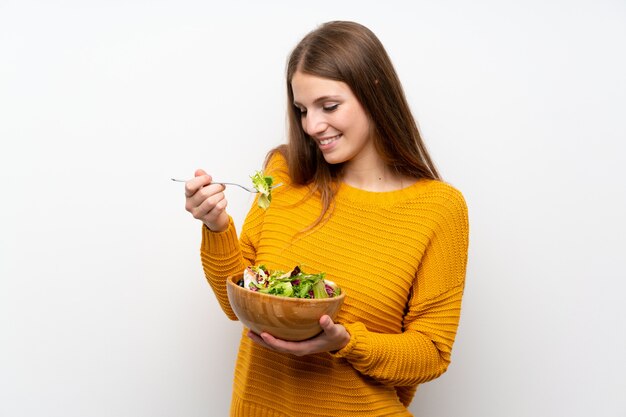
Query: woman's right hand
column 206, row 202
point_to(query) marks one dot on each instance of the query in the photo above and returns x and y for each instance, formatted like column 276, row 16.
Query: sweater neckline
column 350, row 193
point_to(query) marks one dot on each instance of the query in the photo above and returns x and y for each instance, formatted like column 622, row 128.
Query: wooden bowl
column 285, row 318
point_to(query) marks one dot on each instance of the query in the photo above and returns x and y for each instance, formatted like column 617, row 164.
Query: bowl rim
column 230, row 281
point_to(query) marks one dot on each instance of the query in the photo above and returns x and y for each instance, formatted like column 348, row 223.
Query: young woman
column 362, row 202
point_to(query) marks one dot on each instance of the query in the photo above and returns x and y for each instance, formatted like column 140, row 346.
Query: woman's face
column 333, row 117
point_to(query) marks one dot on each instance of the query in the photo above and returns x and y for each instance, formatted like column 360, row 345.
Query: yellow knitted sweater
column 400, row 256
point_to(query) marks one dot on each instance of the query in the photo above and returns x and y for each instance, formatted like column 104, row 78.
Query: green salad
column 295, row 283
column 263, row 184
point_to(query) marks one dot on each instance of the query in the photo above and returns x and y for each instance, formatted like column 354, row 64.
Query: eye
column 302, row 112
column 331, row 108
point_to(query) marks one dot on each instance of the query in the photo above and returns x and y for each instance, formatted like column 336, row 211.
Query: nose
column 314, row 123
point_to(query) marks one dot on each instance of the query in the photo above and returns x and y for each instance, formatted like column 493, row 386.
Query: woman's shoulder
column 442, row 193
column 441, row 186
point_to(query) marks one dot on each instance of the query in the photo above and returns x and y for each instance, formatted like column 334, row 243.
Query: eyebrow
column 319, row 100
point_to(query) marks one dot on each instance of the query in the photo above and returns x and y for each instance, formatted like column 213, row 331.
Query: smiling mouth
column 328, row 141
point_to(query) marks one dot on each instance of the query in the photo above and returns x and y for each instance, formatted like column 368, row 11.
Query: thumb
column 326, row 323
column 199, row 173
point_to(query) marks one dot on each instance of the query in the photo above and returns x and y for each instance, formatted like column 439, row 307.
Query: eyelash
column 327, row 109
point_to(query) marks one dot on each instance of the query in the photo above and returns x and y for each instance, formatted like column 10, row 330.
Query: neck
column 372, row 177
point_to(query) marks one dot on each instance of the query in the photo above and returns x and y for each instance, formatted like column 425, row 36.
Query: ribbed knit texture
column 400, row 257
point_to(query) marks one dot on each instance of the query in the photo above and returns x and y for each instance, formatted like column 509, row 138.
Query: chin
column 334, row 159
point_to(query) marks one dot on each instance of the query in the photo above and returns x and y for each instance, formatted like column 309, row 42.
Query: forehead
column 308, row 88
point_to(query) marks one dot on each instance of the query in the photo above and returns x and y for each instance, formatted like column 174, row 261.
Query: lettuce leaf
column 263, row 184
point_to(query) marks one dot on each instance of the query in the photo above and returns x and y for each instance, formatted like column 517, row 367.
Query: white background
column 104, row 310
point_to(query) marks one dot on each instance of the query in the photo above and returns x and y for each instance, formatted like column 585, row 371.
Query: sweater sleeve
column 422, row 351
column 223, row 254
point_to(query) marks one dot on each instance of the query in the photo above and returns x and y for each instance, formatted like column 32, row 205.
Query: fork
column 248, row 189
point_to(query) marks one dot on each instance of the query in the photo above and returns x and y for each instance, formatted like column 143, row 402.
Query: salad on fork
column 262, row 184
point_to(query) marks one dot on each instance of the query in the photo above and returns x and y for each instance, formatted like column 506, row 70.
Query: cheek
column 362, row 125
column 358, row 118
column 349, row 120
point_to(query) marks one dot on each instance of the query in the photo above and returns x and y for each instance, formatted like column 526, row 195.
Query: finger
column 195, row 202
column 212, row 205
column 295, row 348
column 210, row 195
column 221, row 206
column 197, row 183
column 275, row 343
column 209, row 214
column 268, row 338
column 257, row 339
column 215, row 217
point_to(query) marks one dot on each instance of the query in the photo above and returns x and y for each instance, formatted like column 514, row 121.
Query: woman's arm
column 422, row 351
column 419, row 354
column 224, row 255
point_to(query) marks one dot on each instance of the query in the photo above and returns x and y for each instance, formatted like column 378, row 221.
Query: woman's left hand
column 333, row 337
